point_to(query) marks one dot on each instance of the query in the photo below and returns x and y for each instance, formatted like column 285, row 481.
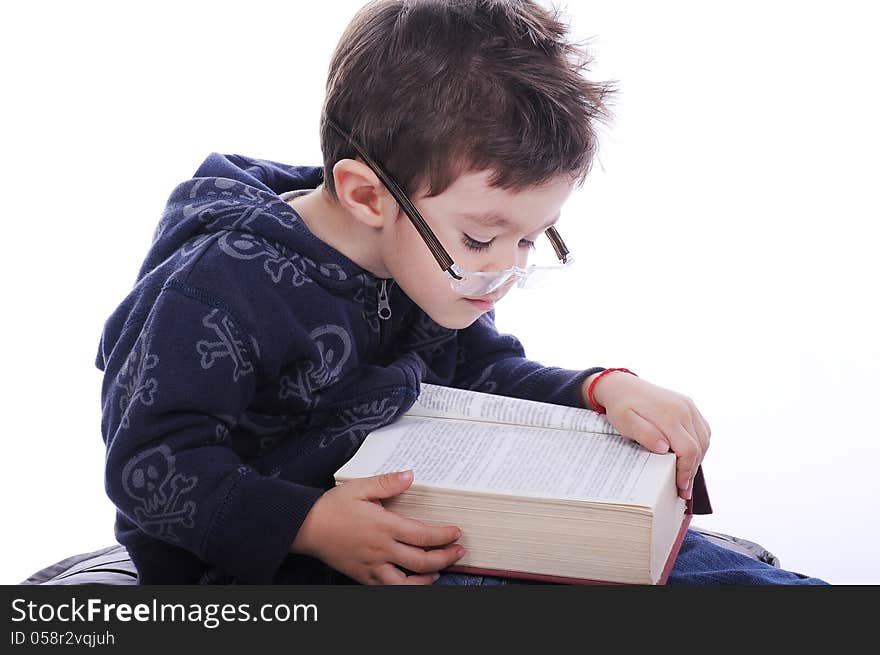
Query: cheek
column 413, row 254
column 415, row 267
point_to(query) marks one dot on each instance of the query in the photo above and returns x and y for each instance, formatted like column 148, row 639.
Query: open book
column 539, row 490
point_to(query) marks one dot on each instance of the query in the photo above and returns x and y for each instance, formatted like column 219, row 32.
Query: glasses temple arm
column 558, row 244
column 436, row 248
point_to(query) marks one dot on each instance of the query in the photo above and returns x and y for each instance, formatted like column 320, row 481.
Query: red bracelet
column 601, row 409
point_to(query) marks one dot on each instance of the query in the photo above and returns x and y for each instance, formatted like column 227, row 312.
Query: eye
column 473, row 244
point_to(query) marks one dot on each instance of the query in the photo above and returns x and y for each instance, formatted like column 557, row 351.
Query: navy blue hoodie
column 247, row 365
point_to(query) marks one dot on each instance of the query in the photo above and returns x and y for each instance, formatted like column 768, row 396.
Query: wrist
column 595, row 389
column 585, row 391
column 304, row 542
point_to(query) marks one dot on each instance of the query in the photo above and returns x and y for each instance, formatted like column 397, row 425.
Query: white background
column 727, row 237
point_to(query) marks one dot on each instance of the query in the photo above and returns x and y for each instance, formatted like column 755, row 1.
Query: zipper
column 384, row 305
column 384, row 311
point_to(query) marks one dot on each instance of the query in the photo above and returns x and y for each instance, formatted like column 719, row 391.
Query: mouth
column 485, row 304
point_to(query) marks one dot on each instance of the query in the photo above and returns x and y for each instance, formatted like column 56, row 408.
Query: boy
column 284, row 312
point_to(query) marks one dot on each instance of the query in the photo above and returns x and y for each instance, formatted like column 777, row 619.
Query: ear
column 363, row 194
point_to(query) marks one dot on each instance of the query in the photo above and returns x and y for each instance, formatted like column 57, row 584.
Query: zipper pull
column 384, row 305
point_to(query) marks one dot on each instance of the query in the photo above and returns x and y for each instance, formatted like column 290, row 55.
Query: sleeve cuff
column 562, row 386
column 256, row 525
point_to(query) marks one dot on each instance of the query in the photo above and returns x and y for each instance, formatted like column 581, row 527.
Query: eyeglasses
column 466, row 283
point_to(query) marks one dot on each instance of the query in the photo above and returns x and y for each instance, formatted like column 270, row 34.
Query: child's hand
column 658, row 419
column 350, row 531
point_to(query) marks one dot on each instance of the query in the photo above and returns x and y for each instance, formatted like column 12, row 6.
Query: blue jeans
column 699, row 561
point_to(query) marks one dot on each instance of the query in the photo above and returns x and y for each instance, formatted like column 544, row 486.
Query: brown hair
column 433, row 89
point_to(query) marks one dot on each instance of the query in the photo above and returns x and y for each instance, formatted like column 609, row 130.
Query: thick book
column 540, row 491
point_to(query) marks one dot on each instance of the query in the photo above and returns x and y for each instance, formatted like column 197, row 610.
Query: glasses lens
column 543, row 253
column 481, row 284
column 539, row 278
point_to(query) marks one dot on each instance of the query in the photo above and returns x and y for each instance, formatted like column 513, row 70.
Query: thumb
column 386, row 485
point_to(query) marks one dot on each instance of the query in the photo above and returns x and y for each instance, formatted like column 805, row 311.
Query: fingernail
column 457, row 534
column 405, row 476
column 661, row 447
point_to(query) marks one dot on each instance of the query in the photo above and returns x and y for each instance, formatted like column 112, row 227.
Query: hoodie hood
column 241, row 194
column 237, row 202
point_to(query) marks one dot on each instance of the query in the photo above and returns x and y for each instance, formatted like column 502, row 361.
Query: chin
column 460, row 325
column 452, row 322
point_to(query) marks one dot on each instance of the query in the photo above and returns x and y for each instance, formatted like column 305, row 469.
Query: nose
column 518, row 256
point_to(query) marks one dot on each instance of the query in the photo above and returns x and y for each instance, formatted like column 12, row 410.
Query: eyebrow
column 491, row 219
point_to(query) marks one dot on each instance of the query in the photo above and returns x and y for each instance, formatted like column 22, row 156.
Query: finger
column 702, row 435
column 695, row 429
column 419, row 560
column 384, row 485
column 416, row 533
column 687, row 452
column 705, row 432
column 694, row 424
column 641, row 430
column 389, row 574
column 688, row 457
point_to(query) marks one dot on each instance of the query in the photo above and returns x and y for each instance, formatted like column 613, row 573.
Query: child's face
column 414, row 268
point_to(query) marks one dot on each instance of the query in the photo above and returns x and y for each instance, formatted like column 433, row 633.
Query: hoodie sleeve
column 169, row 469
column 492, row 362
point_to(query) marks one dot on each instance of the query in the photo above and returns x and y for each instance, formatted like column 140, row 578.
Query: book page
column 449, row 402
column 514, row 460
